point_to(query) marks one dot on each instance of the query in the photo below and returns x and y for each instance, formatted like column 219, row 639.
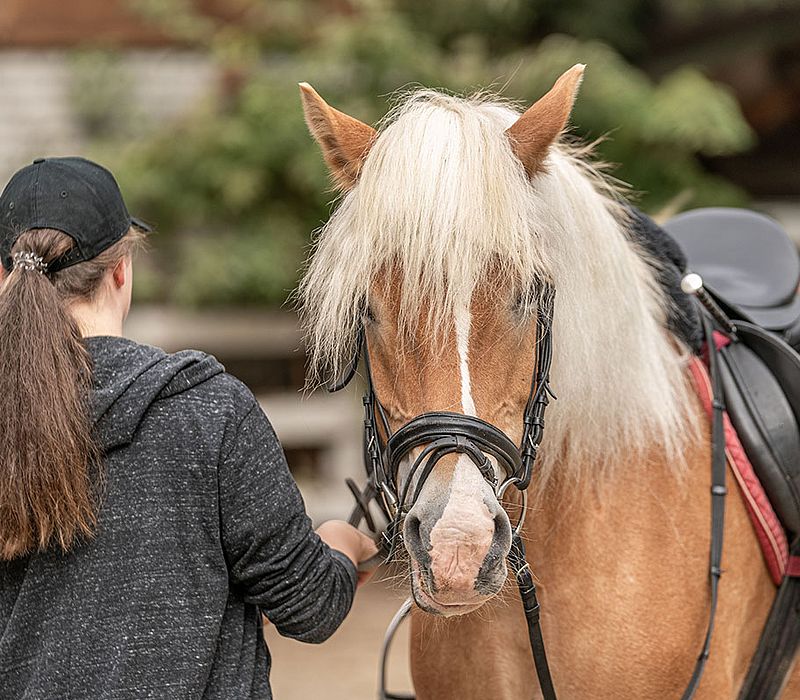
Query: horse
column 454, row 216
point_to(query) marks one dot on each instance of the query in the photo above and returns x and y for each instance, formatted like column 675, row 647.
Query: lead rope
column 400, row 615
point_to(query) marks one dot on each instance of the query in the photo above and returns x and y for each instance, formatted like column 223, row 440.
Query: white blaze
column 463, row 322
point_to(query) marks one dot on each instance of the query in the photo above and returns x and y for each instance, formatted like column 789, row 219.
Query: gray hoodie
column 201, row 529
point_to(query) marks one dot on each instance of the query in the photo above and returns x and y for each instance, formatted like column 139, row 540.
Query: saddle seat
column 752, row 269
column 747, row 262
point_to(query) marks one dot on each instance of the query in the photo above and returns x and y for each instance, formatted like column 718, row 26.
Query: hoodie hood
column 129, row 377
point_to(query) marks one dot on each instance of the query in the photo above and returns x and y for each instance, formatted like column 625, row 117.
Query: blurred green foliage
column 237, row 185
column 99, row 85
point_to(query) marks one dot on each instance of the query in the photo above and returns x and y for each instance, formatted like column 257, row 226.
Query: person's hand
column 369, row 552
column 353, row 543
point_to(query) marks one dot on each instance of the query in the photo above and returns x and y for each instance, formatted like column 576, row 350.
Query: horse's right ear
column 344, row 140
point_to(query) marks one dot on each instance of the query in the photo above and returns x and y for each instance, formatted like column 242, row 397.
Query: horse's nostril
column 413, row 538
column 502, row 531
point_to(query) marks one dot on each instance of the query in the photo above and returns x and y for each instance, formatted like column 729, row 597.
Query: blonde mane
column 442, row 198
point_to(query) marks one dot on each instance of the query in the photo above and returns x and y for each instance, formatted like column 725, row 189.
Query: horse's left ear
column 535, row 131
column 344, row 140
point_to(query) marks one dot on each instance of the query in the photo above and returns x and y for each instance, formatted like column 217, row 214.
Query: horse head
column 454, row 220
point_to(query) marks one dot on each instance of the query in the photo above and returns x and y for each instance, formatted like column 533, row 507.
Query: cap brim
column 141, row 225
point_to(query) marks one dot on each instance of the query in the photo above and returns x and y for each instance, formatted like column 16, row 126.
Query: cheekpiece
column 29, row 261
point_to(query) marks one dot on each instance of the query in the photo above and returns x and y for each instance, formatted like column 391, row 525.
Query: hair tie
column 28, row 260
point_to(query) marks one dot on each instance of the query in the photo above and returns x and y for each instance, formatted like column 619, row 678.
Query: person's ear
column 119, row 273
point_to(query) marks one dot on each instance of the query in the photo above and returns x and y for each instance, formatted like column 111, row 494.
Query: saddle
column 748, row 263
column 751, row 270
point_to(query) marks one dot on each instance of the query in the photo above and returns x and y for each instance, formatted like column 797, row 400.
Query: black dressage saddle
column 747, row 262
column 751, row 268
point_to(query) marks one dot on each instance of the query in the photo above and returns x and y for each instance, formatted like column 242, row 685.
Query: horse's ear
column 344, row 140
column 534, row 132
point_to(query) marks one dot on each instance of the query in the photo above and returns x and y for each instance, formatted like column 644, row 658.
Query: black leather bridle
column 440, row 433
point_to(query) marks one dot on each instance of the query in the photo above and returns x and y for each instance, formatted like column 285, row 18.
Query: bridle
column 440, row 433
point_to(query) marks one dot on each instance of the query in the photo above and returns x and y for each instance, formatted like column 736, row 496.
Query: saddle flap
column 761, row 381
column 746, row 259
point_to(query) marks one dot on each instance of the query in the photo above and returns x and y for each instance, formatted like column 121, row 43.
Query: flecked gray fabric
column 201, row 526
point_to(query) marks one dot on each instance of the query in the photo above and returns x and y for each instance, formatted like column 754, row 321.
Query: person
column 147, row 514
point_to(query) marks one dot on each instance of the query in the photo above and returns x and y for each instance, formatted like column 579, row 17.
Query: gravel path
column 346, row 666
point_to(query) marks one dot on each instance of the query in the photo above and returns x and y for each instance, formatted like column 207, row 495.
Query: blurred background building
column 194, row 105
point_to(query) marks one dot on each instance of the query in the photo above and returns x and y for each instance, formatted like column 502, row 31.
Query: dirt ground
column 346, row 666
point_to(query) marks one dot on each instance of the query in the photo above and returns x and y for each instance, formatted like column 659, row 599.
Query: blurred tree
column 99, row 83
column 237, row 186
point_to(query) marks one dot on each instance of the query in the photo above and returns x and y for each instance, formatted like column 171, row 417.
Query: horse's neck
column 634, row 502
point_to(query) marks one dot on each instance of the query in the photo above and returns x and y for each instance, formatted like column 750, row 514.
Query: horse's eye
column 522, row 304
column 369, row 317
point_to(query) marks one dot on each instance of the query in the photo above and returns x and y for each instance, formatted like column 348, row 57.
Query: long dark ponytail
column 49, row 462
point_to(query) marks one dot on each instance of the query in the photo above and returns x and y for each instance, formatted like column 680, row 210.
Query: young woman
column 147, row 515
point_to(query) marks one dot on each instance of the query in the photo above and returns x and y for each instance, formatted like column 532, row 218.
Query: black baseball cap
column 73, row 195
